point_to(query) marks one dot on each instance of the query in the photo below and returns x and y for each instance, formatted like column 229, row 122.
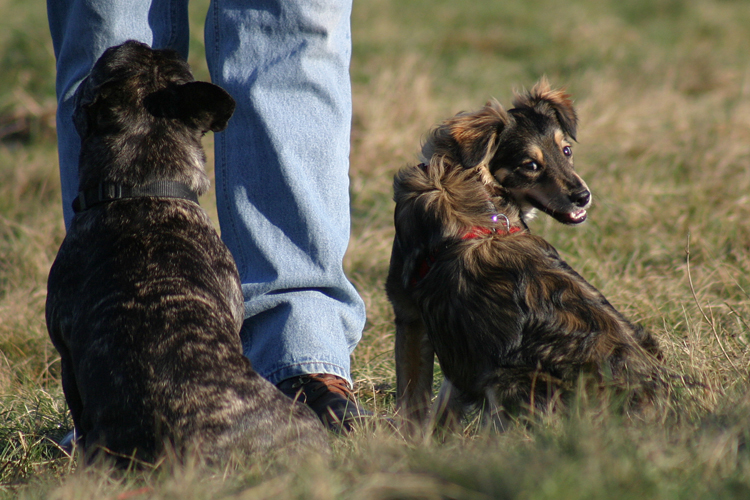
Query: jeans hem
column 306, row 368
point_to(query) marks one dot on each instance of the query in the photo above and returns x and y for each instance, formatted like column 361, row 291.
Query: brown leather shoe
column 330, row 398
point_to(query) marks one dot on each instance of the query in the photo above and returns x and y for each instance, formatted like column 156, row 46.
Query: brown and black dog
column 511, row 323
column 144, row 301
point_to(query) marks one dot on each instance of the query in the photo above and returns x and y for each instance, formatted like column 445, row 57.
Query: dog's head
column 526, row 151
column 141, row 106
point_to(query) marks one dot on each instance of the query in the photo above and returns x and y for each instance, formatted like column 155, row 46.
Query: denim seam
column 172, row 24
column 239, row 254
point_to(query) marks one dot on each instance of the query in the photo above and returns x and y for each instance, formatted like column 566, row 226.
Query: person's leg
column 282, row 179
column 81, row 31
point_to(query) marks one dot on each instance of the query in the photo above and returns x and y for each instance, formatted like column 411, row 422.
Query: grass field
column 663, row 92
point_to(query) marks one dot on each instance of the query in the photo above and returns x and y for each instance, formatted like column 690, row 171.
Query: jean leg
column 282, row 178
column 81, row 31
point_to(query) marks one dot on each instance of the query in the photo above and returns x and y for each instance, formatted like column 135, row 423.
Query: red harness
column 473, row 233
column 479, row 231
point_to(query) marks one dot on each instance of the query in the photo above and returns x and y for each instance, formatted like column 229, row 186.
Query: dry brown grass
column 663, row 92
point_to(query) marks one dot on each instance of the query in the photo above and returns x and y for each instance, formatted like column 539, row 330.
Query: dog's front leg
column 414, row 364
column 415, row 355
column 70, row 389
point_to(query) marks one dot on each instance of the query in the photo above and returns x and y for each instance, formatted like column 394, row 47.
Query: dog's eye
column 567, row 151
column 531, row 166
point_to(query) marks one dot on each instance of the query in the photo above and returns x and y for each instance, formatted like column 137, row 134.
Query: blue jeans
column 281, row 165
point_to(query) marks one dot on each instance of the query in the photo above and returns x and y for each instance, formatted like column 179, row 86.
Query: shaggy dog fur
column 512, row 325
column 144, row 301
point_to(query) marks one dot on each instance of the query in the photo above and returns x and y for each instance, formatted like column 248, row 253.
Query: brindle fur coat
column 144, row 301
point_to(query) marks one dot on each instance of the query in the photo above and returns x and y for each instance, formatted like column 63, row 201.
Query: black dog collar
column 106, row 192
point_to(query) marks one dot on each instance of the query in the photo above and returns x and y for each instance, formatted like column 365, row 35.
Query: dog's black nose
column 582, row 198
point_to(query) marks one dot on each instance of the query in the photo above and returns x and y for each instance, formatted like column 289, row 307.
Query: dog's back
column 144, row 300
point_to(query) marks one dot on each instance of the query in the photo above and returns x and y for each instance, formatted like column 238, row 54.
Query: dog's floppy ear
column 205, row 104
column 86, row 96
column 202, row 105
column 82, row 101
column 557, row 99
column 468, row 138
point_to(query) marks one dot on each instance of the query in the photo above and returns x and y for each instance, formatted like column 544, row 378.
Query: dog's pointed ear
column 201, row 105
column 468, row 138
column 557, row 99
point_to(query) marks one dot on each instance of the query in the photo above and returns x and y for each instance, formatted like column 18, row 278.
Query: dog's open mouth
column 575, row 217
column 566, row 213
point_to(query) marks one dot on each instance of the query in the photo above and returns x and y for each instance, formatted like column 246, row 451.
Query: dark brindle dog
column 144, row 301
column 511, row 323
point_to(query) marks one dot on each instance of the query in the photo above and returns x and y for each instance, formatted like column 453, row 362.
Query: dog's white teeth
column 579, row 215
